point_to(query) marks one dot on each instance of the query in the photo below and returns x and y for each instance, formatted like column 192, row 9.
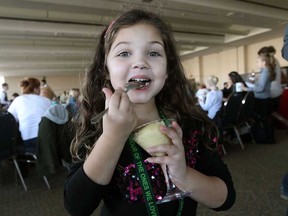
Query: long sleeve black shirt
column 82, row 196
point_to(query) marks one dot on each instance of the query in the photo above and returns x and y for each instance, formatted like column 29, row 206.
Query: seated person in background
column 55, row 100
column 191, row 87
column 27, row 110
column 73, row 102
column 214, row 97
column 63, row 97
column 4, row 103
column 235, row 77
column 46, row 90
column 226, row 92
column 53, row 140
column 14, row 95
column 201, row 92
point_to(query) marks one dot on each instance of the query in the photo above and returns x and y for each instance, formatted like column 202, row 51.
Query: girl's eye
column 154, row 53
column 124, row 54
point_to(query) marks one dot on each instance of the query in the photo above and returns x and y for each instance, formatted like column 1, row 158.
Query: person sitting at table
column 4, row 102
column 46, row 90
column 233, row 78
column 54, row 140
column 27, row 110
column 214, row 97
column 226, row 91
column 201, row 92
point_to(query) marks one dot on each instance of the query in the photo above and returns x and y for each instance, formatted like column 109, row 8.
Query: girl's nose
column 141, row 64
column 140, row 67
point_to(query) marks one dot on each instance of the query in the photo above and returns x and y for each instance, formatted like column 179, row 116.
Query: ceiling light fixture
column 230, row 14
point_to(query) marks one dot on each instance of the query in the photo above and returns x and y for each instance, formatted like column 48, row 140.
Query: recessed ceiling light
column 230, row 14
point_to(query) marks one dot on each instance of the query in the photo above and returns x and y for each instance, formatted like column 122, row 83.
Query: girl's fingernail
column 148, row 160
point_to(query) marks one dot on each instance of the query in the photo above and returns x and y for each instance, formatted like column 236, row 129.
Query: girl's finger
column 177, row 128
column 108, row 93
column 162, row 150
column 174, row 133
column 115, row 100
column 125, row 102
column 158, row 160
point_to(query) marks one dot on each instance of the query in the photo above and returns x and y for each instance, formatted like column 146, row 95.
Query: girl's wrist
column 184, row 183
column 113, row 137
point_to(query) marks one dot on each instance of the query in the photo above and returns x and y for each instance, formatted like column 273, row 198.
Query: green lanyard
column 144, row 178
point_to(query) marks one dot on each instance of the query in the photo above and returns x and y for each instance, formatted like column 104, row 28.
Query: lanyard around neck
column 144, row 179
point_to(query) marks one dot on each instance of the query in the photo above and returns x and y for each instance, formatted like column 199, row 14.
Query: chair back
column 246, row 107
column 231, row 109
column 8, row 134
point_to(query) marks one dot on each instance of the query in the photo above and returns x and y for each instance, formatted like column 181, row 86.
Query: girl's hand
column 121, row 118
column 175, row 154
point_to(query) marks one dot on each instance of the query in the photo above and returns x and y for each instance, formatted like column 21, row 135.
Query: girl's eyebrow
column 125, row 42
column 157, row 42
column 120, row 43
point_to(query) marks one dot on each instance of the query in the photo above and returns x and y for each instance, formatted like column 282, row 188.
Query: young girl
column 263, row 128
column 139, row 46
column 276, row 86
column 262, row 88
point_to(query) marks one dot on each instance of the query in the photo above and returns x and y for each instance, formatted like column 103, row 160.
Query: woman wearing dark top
column 234, row 77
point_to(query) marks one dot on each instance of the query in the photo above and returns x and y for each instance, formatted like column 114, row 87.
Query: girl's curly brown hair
column 173, row 99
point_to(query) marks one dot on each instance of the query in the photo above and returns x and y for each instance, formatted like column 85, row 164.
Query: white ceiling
column 51, row 37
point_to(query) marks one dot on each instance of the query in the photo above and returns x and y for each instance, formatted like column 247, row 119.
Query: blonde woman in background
column 214, row 97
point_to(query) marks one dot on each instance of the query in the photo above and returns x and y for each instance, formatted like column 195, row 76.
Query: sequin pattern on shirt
column 127, row 181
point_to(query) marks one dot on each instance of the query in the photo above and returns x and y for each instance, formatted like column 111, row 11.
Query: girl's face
column 137, row 54
column 260, row 63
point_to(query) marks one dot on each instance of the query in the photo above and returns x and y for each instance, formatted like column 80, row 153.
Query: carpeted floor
column 257, row 173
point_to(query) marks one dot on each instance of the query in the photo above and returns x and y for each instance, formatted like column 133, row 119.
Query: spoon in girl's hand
column 128, row 86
